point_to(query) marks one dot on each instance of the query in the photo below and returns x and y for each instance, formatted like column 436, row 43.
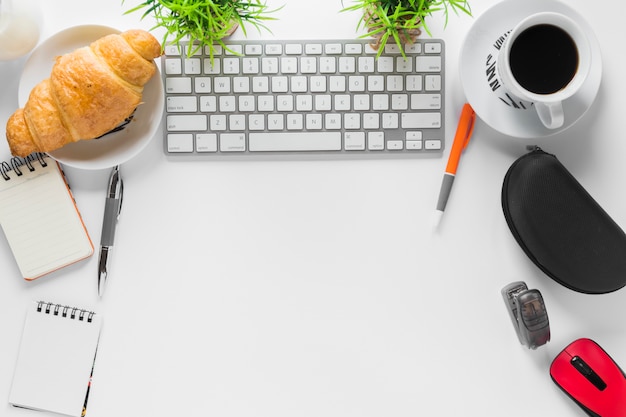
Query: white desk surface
column 317, row 288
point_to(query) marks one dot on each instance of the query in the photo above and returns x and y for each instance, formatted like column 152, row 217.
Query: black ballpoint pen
column 112, row 210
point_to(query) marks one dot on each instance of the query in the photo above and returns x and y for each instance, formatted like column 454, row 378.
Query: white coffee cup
column 20, row 26
column 558, row 61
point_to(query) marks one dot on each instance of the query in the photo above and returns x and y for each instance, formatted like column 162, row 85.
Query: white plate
column 114, row 148
column 479, row 75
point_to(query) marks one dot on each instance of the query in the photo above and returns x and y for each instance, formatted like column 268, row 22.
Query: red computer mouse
column 585, row 372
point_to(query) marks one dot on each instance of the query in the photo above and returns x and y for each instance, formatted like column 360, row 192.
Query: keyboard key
column 432, row 83
column 213, row 67
column 376, row 141
column 276, row 122
column 375, row 83
column 366, row 64
column 395, row 145
column 274, row 49
column 187, row 123
column 399, row 102
column 192, row 66
column 390, row 121
column 289, row 65
column 208, row 104
column 313, row 49
column 313, row 121
column 250, row 65
column 178, row 104
column 231, row 66
column 178, row 85
column 173, row 66
column 421, row 120
column 414, row 145
column 253, row 49
column 328, row 65
column 385, row 64
column 227, row 104
column 256, row 122
column 293, row 49
column 356, row 83
column 180, row 142
column 371, row 121
column 432, row 48
column 354, row 141
column 206, row 142
column 218, row 123
column 232, row 142
column 301, row 141
column 414, row 83
column 241, row 85
column 237, row 122
column 295, row 122
column 333, row 48
column 433, row 145
column 269, row 65
column 352, row 121
column 171, row 50
column 202, row 85
column 221, row 85
column 347, row 65
column 404, row 65
column 234, row 49
column 260, row 84
column 428, row 64
column 425, row 101
column 308, row 65
column 414, row 48
column 354, row 49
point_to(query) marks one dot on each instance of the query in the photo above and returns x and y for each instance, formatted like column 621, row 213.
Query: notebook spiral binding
column 65, row 311
column 16, row 164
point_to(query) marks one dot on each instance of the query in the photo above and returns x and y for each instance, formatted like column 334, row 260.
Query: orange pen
column 461, row 139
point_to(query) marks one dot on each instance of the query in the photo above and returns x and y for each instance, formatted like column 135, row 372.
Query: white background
column 274, row 288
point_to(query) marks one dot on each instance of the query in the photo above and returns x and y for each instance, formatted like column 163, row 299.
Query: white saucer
column 478, row 57
column 114, row 148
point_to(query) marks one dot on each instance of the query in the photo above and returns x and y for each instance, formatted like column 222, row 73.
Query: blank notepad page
column 55, row 360
column 41, row 221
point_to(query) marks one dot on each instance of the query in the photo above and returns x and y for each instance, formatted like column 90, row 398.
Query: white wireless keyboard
column 315, row 97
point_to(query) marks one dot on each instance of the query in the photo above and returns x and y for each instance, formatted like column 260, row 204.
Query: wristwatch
column 528, row 314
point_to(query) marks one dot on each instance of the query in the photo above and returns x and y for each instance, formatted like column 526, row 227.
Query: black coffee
column 543, row 59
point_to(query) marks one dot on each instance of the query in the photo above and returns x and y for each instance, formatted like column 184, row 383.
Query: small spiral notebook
column 39, row 216
column 56, row 359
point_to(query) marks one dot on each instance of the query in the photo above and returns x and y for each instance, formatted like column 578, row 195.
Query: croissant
column 90, row 92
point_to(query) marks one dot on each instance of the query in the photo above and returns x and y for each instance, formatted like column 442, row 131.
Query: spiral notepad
column 56, row 359
column 39, row 216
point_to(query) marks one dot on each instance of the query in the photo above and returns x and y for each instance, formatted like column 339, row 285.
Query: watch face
column 533, row 317
column 533, row 311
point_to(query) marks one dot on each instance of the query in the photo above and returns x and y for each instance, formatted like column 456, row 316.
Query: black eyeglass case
column 561, row 228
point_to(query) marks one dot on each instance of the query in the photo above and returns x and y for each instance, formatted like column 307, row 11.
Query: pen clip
column 116, row 188
column 119, row 208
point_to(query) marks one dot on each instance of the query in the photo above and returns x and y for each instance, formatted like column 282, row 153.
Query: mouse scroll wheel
column 588, row 373
column 582, row 367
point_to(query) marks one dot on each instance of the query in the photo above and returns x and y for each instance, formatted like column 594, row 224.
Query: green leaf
column 205, row 22
column 393, row 18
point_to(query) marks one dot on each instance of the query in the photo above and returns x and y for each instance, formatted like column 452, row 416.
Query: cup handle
column 551, row 114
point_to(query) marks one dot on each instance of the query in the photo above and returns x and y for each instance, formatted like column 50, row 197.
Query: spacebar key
column 294, row 141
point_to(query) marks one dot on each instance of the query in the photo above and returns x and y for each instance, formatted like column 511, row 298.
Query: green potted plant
column 401, row 20
column 204, row 22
